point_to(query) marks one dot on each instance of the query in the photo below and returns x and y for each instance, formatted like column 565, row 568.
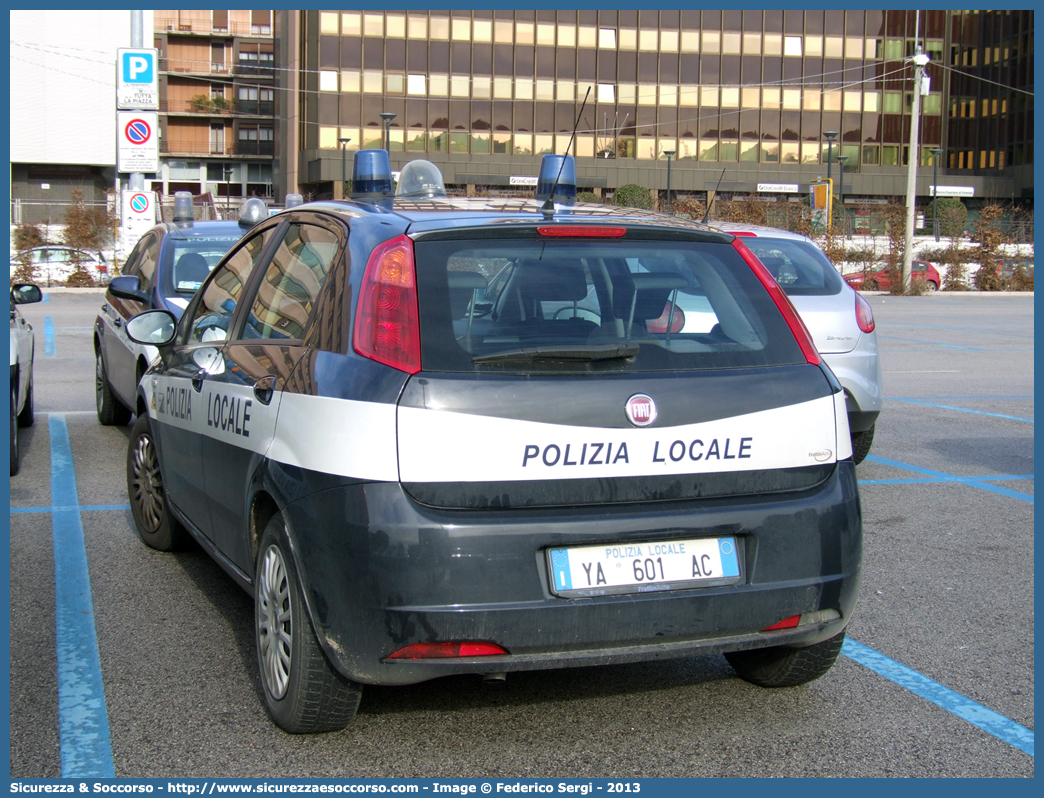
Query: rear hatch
column 826, row 304
column 565, row 371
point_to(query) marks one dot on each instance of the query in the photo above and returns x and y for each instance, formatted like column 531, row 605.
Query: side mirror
column 25, row 294
column 128, row 286
column 152, row 328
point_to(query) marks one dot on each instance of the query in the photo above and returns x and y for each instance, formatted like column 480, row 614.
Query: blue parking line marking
column 84, row 508
column 48, row 337
column 938, row 476
column 976, row 714
column 929, row 343
column 46, row 298
column 963, row 409
column 981, row 396
column 83, row 722
column 928, row 480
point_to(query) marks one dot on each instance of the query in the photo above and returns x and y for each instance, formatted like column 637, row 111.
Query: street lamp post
column 669, row 154
column 936, row 152
column 830, row 135
column 344, row 163
column 387, row 116
column 841, row 188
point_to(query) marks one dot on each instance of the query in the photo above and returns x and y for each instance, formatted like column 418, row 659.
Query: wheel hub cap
column 147, row 484
column 273, row 622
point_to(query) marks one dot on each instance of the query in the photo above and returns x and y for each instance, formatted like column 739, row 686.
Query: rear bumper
column 859, row 372
column 381, row 572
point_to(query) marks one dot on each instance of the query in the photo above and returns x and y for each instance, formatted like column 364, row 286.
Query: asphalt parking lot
column 935, row 680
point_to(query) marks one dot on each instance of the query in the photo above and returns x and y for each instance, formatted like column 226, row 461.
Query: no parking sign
column 138, row 149
column 139, row 215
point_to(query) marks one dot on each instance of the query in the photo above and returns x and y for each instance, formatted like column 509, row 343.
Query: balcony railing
column 173, row 25
column 186, row 65
column 194, row 147
column 212, row 108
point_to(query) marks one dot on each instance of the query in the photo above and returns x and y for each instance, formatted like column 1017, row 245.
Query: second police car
column 163, row 270
column 389, row 421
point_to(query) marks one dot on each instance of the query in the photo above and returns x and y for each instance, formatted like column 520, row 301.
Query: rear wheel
column 111, row 412
column 148, row 499
column 303, row 692
column 26, row 416
column 930, row 286
column 861, row 442
column 784, row 666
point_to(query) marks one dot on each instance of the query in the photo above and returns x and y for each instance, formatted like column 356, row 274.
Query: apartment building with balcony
column 217, row 103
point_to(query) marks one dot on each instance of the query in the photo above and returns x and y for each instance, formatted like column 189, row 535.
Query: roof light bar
column 183, row 207
column 560, row 168
column 371, row 175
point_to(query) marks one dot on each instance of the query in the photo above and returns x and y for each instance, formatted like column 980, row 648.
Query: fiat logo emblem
column 641, row 410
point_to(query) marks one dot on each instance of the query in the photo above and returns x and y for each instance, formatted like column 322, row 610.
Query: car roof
column 760, row 230
column 200, row 229
column 439, row 213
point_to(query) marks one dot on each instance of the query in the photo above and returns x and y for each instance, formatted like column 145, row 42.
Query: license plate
column 643, row 567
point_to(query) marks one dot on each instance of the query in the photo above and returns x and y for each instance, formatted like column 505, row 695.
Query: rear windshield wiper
column 556, row 352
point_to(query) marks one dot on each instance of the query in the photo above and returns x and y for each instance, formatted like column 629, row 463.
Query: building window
column 327, row 80
column 607, row 38
column 792, row 45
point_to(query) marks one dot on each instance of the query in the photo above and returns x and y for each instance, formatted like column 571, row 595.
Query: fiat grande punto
column 416, row 473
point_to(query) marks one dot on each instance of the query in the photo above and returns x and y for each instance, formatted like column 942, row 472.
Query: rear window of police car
column 636, row 305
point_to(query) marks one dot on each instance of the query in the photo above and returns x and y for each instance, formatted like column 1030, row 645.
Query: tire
column 26, row 417
column 111, row 412
column 14, row 431
column 930, row 286
column 861, row 442
column 157, row 528
column 784, row 666
column 303, row 692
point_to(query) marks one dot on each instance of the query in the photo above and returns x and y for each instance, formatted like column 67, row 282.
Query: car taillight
column 447, row 650
column 864, row 315
column 676, row 319
column 746, row 233
column 387, row 326
column 786, row 307
column 581, row 231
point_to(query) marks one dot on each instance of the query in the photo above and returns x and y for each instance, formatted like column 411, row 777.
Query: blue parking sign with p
column 139, row 67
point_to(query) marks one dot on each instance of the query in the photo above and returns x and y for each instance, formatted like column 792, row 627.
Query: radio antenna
column 548, row 208
column 711, row 203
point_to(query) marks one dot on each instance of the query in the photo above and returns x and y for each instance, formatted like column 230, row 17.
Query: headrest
column 774, row 265
column 191, row 268
column 552, row 280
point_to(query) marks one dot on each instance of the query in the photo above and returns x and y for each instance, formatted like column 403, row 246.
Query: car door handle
column 197, row 380
column 118, row 321
column 264, row 389
column 105, row 307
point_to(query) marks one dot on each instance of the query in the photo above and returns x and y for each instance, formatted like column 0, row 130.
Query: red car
column 921, row 268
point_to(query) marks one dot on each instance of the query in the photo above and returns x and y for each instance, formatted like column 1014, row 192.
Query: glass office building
column 754, row 93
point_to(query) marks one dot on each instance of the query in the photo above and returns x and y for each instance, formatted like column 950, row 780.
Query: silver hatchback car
column 840, row 320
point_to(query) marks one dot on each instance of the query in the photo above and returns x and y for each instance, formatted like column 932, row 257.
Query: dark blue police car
column 390, row 421
column 163, row 270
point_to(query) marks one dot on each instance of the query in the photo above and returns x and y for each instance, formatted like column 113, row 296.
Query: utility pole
column 919, row 61
column 136, row 181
